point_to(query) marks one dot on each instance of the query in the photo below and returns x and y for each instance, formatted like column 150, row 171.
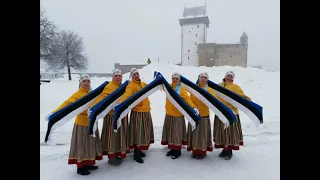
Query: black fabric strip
column 246, row 103
column 68, row 109
column 124, row 105
column 105, row 103
column 180, row 101
column 215, row 102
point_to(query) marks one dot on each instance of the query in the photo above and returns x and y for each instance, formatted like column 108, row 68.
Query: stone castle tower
column 194, row 26
column 195, row 51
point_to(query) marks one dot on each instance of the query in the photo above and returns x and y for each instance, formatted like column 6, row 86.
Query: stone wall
column 211, row 54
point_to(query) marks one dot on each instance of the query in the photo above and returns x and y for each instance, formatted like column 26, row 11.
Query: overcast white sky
column 130, row 31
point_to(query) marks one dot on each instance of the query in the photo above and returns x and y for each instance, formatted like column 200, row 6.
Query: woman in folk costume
column 230, row 138
column 174, row 127
column 85, row 149
column 199, row 140
column 141, row 133
column 113, row 144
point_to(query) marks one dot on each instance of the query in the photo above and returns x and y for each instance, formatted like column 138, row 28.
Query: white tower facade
column 194, row 26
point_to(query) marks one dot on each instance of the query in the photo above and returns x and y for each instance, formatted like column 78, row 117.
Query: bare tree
column 48, row 31
column 67, row 51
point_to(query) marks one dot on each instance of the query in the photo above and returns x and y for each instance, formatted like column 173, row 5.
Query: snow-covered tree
column 67, row 51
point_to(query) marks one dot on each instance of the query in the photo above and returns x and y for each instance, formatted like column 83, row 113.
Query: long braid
column 198, row 80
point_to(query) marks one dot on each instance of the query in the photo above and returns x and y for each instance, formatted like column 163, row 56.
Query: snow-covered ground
column 258, row 159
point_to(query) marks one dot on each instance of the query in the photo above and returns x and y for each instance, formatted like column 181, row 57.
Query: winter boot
column 176, row 154
column 228, row 155
column 115, row 162
column 137, row 156
column 195, row 156
column 142, row 154
column 200, row 157
column 169, row 153
column 83, row 171
column 92, row 168
column 119, row 158
column 223, row 153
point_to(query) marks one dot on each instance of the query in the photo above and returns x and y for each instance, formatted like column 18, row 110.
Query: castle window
column 189, row 31
column 188, row 58
column 195, row 43
column 196, row 35
column 188, row 50
column 197, row 26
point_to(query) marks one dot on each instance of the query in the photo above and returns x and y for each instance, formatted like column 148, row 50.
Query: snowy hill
column 259, row 158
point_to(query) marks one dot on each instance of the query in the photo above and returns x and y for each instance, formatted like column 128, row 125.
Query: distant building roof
column 244, row 35
column 194, row 11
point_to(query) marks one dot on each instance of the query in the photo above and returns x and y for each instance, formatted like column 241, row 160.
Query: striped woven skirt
column 199, row 140
column 228, row 138
column 239, row 129
column 114, row 144
column 141, row 133
column 174, row 132
column 84, row 149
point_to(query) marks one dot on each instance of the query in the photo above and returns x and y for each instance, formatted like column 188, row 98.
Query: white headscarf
column 231, row 73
